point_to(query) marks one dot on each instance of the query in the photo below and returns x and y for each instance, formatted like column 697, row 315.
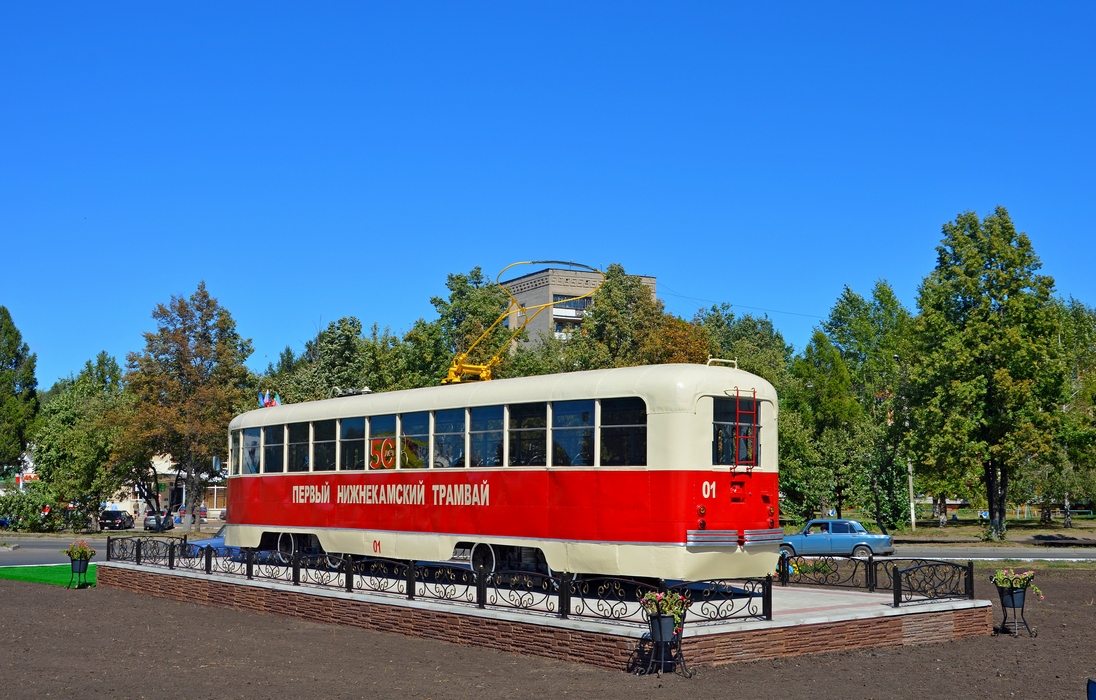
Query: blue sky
column 319, row 161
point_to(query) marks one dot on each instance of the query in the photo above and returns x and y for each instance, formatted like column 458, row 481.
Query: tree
column 1069, row 472
column 872, row 338
column 833, row 444
column 987, row 377
column 74, row 441
column 34, row 509
column 187, row 384
column 18, row 396
column 616, row 329
column 754, row 342
column 334, row 360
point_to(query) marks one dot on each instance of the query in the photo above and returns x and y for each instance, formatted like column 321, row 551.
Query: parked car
column 159, row 520
column 217, row 541
column 233, row 553
column 821, row 537
column 223, row 514
column 115, row 520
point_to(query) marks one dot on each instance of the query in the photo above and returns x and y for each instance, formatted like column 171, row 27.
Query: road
column 973, row 551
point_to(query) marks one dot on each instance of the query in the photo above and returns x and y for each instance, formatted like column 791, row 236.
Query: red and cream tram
column 665, row 471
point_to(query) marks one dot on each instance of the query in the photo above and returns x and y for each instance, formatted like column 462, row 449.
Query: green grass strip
column 52, row 575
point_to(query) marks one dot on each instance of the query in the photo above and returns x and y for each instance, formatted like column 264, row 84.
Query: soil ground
column 106, row 643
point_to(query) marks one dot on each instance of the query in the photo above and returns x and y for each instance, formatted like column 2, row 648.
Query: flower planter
column 79, row 573
column 1011, row 597
column 662, row 628
column 80, row 566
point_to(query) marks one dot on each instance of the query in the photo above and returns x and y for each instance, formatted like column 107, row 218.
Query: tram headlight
column 701, row 525
column 701, row 510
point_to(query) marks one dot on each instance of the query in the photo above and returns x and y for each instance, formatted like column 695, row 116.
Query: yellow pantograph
column 462, row 371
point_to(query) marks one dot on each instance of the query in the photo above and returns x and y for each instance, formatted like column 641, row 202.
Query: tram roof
column 671, row 388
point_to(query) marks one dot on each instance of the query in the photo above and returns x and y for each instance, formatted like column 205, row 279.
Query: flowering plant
column 1007, row 578
column 79, row 549
column 655, row 603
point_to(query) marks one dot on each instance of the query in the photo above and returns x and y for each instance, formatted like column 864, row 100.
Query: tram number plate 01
column 708, row 489
column 376, row 546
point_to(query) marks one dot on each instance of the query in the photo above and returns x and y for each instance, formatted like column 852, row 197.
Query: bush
column 35, row 509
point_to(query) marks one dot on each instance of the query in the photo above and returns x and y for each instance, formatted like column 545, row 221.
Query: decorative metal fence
column 559, row 595
column 911, row 580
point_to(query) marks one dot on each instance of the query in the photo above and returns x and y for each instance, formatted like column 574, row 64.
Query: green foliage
column 872, row 338
column 18, row 394
column 186, row 385
column 623, row 327
column 74, row 439
column 828, row 445
column 988, row 376
column 27, row 509
column 754, row 342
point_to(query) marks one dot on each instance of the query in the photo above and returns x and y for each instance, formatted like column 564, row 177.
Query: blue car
column 847, row 537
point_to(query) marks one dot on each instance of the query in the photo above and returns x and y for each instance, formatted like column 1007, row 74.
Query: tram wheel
column 287, row 546
column 483, row 556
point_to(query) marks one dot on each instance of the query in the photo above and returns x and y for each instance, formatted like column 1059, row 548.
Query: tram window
column 251, row 437
column 352, row 443
column 298, row 447
column 382, row 442
column 731, row 418
column 274, row 444
column 485, row 432
column 623, row 432
column 234, row 452
column 572, row 433
column 528, row 434
column 323, row 446
column 414, row 439
column 449, row 438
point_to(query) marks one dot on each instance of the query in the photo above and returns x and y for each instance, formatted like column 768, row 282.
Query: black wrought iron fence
column 562, row 595
column 911, row 579
column 830, row 570
column 932, row 580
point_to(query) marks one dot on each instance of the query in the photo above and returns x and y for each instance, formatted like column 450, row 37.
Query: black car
column 115, row 520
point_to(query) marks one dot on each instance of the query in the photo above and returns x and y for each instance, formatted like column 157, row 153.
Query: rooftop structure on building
column 555, row 284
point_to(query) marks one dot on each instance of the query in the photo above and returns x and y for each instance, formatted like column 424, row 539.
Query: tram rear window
column 735, row 427
column 623, row 432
